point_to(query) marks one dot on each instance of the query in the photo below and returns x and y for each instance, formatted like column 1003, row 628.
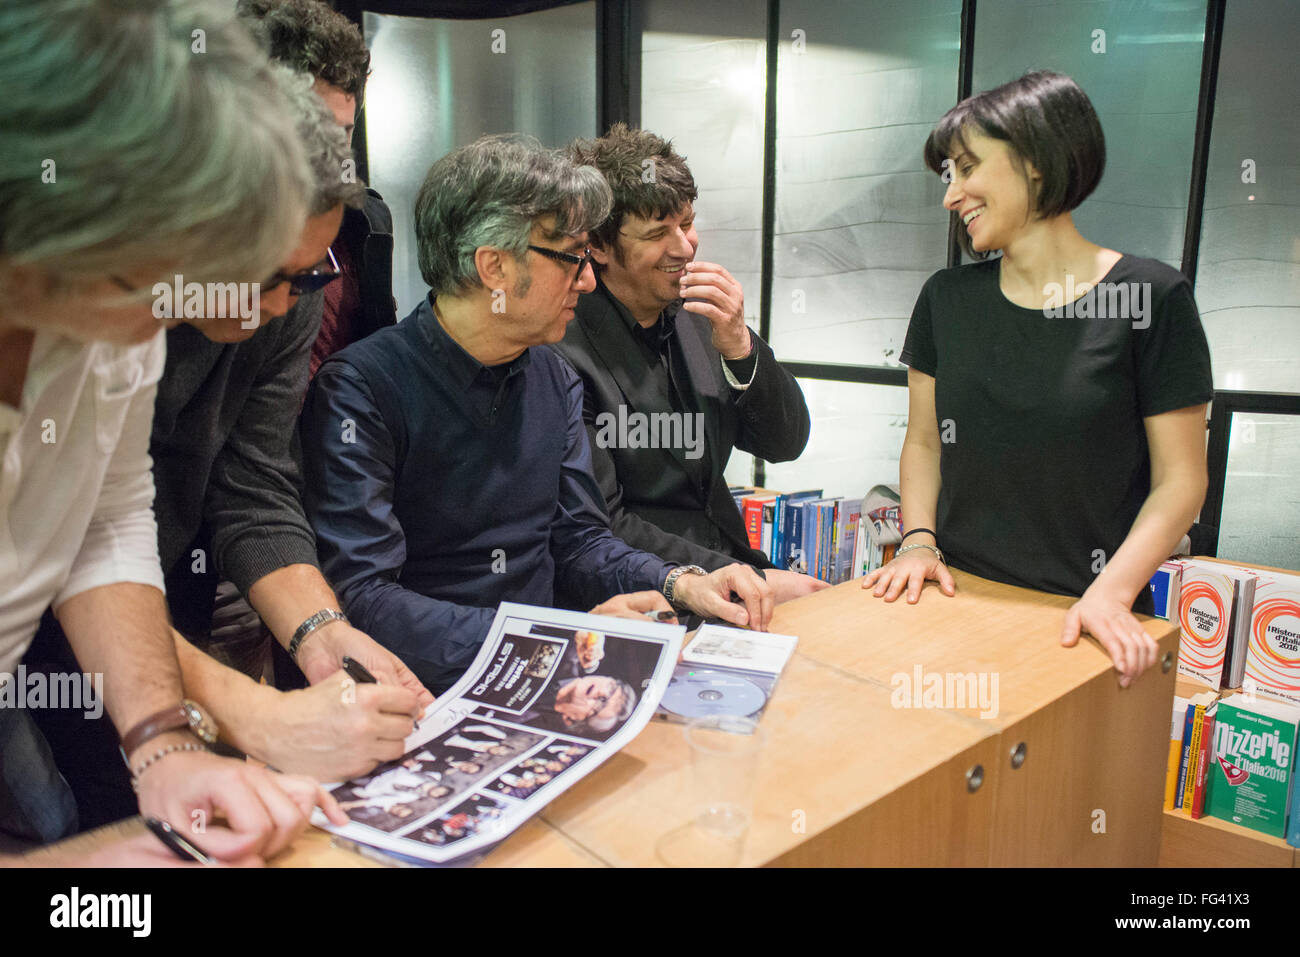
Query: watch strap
column 174, row 718
column 322, row 617
column 670, row 581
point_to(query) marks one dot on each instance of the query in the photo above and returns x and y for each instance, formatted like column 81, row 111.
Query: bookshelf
column 1212, row 842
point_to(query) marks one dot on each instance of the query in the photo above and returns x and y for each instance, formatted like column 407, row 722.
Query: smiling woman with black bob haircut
column 1057, row 393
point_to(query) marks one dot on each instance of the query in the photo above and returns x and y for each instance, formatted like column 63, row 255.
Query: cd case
column 726, row 671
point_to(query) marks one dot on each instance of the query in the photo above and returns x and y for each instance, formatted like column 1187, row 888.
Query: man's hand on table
column 334, row 730
column 787, row 586
column 264, row 810
column 710, row 596
column 1109, row 619
column 634, row 605
column 322, row 653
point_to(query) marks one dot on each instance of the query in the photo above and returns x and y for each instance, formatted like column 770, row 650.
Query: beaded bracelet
column 161, row 753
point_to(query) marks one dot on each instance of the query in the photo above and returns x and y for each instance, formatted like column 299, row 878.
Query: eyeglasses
column 309, row 280
column 570, row 258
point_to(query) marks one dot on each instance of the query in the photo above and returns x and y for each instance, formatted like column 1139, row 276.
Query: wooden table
column 850, row 776
column 847, row 778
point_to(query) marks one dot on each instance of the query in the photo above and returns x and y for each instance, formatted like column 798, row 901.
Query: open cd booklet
column 726, row 671
column 551, row 695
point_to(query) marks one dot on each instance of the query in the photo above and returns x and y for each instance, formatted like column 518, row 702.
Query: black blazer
column 653, row 501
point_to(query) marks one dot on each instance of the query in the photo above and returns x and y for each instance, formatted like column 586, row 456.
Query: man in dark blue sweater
column 446, row 459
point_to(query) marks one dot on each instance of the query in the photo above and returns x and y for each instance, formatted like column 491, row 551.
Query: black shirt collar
column 654, row 337
column 462, row 368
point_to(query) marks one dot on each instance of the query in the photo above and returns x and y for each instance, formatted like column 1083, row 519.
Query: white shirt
column 76, row 486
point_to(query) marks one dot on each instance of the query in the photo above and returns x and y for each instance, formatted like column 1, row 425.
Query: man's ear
column 599, row 254
column 491, row 265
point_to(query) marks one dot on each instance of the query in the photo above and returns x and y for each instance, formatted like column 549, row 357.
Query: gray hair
column 601, row 725
column 162, row 138
column 490, row 193
column 333, row 169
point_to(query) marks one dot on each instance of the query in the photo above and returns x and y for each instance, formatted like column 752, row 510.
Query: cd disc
column 701, row 692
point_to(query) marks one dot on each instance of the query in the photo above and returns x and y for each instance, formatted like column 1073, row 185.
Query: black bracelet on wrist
column 915, row 530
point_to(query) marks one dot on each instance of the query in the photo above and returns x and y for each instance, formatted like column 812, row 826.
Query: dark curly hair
column 647, row 176
column 311, row 38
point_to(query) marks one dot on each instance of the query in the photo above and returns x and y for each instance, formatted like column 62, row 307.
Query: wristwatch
column 670, row 583
column 322, row 617
column 186, row 716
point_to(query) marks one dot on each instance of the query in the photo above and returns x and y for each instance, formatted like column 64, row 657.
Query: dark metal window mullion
column 769, row 193
column 1210, row 49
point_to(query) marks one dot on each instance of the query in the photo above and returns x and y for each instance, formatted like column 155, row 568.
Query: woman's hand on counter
column 910, row 572
column 1110, row 620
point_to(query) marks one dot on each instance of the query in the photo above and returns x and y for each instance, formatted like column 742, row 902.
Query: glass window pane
column 1248, row 276
column 703, row 76
column 438, row 84
column 857, row 435
column 1144, row 87
column 859, row 219
column 1260, row 521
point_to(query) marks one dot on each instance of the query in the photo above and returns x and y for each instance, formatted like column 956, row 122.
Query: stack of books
column 1236, row 714
column 806, row 531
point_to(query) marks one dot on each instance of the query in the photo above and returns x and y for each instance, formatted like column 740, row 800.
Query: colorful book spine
column 1193, row 756
column 1165, row 584
column 765, row 536
column 778, row 516
column 753, row 515
column 1205, row 754
column 846, row 526
column 1178, row 718
column 1188, row 718
column 795, row 557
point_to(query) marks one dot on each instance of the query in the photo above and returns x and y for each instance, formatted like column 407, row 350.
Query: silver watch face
column 200, row 723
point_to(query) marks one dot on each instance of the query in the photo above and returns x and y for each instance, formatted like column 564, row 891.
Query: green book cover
column 1254, row 746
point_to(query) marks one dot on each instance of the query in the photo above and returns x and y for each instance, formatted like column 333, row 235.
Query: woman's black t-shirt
column 1044, row 461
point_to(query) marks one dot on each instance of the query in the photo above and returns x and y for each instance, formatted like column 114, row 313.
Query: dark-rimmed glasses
column 570, row 258
column 309, row 280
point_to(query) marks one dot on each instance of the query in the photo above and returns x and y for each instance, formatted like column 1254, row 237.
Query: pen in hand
column 178, row 845
column 358, row 673
column 660, row 615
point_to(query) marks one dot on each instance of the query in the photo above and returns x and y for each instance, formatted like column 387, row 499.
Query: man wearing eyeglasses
column 663, row 338
column 446, row 461
column 227, row 487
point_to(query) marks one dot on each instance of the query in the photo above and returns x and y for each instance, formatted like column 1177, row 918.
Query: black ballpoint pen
column 178, row 845
column 358, row 673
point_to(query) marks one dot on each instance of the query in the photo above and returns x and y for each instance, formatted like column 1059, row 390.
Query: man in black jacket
column 673, row 377
column 310, row 37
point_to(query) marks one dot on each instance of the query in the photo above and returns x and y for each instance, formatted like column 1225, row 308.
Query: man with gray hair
column 228, row 493
column 446, row 459
column 122, row 154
